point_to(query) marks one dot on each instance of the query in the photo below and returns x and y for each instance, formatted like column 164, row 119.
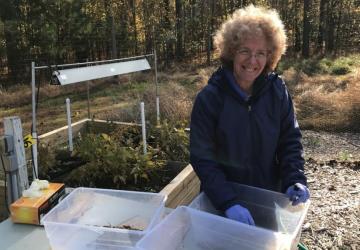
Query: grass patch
column 317, row 66
column 345, row 156
column 324, row 100
column 328, row 102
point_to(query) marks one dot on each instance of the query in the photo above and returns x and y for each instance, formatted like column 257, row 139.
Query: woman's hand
column 240, row 214
column 298, row 193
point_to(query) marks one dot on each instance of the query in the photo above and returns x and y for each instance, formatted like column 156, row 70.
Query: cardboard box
column 31, row 210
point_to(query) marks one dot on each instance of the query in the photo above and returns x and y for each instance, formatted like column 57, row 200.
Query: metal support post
column 143, row 126
column 157, row 91
column 88, row 99
column 157, row 111
column 68, row 115
column 33, row 129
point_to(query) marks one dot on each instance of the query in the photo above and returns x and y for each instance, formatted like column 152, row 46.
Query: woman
column 243, row 126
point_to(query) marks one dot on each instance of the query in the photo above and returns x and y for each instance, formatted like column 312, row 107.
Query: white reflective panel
column 68, row 76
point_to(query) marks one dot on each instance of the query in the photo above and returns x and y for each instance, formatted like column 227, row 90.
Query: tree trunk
column 296, row 28
column 306, row 30
column 232, row 6
column 148, row 26
column 107, row 6
column 10, row 14
column 167, row 28
column 330, row 27
column 133, row 11
column 321, row 31
column 210, row 30
column 113, row 37
column 338, row 43
column 179, row 29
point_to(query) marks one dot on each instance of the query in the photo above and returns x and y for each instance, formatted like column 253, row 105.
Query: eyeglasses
column 247, row 53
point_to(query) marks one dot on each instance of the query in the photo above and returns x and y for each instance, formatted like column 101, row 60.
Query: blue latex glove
column 240, row 214
column 298, row 193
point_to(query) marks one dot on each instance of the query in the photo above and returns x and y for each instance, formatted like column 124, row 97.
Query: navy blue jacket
column 254, row 141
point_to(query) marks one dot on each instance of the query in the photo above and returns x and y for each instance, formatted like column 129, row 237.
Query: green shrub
column 110, row 164
column 324, row 65
column 116, row 160
column 340, row 69
column 284, row 65
column 172, row 140
column 343, row 65
column 314, row 66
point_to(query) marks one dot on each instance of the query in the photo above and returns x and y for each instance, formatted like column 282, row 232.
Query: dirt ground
column 333, row 171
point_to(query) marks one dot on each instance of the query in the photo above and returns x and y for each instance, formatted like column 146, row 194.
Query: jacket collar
column 225, row 80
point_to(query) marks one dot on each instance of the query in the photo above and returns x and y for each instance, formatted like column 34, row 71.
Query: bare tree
column 179, row 52
column 306, row 30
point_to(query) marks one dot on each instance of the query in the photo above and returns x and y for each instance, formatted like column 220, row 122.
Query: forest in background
column 67, row 31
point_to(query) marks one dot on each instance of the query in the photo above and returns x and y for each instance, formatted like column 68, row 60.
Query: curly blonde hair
column 251, row 22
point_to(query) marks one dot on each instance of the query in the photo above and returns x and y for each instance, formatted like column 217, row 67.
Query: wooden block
column 115, row 122
column 179, row 182
column 176, row 197
column 59, row 136
column 185, row 200
column 186, row 195
column 190, row 195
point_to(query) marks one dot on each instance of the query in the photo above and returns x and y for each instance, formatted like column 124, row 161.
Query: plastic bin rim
column 301, row 219
column 120, row 191
column 78, row 189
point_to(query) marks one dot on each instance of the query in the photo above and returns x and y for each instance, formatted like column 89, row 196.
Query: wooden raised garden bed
column 180, row 191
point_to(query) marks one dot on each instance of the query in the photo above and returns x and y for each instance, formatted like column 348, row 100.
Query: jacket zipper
column 249, row 107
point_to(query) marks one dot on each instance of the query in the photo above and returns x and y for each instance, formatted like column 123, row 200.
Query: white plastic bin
column 271, row 210
column 91, row 218
column 189, row 229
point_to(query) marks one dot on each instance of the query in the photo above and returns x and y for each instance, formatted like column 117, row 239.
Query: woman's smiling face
column 250, row 60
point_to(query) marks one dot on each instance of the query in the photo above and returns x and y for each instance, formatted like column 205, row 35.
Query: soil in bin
column 114, row 159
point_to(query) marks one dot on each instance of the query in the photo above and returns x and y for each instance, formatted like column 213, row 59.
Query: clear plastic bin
column 91, row 218
column 271, row 210
column 189, row 229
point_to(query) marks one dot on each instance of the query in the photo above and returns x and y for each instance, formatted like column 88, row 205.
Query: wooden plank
column 102, row 126
column 179, row 182
column 182, row 192
column 185, row 198
column 116, row 122
column 186, row 195
column 59, row 135
column 191, row 194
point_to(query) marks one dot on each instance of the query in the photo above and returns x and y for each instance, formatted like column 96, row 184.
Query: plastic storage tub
column 271, row 210
column 189, row 229
column 91, row 218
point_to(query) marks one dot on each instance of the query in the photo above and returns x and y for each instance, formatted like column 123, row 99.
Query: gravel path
column 333, row 171
column 323, row 146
